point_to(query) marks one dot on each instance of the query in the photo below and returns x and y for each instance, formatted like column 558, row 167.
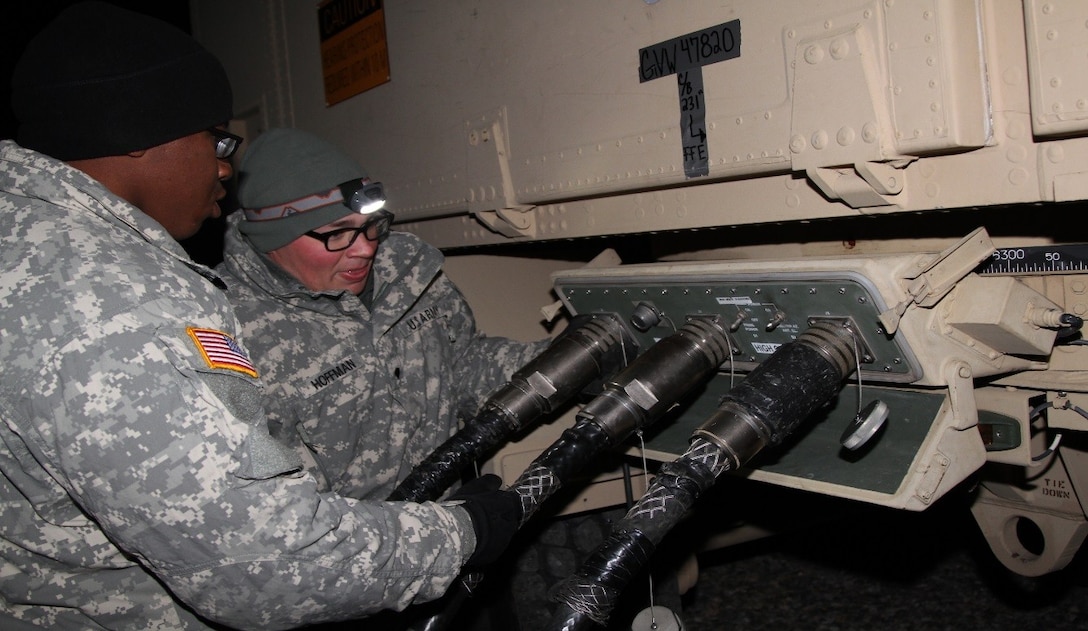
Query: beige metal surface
column 509, row 129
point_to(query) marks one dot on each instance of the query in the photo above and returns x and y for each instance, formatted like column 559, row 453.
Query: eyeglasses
column 375, row 229
column 226, row 143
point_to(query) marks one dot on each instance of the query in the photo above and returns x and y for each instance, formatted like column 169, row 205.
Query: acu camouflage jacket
column 138, row 481
column 366, row 393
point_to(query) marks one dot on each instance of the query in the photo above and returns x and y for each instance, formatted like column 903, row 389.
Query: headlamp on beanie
column 363, row 196
column 360, row 195
column 292, row 182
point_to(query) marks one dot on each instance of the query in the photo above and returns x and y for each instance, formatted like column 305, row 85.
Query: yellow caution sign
column 354, row 51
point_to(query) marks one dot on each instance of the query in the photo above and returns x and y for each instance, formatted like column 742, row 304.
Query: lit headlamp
column 363, row 196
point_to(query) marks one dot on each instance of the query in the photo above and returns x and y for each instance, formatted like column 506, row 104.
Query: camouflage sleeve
column 162, row 441
column 481, row 362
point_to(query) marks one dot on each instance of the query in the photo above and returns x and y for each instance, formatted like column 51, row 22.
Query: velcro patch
column 221, row 351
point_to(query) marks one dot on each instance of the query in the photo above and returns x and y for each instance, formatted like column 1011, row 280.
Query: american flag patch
column 221, row 351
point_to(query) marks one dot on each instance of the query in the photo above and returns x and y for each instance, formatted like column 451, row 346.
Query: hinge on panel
column 493, row 199
column 865, row 185
column 519, row 221
column 939, row 274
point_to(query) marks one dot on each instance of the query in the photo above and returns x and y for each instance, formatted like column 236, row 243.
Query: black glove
column 496, row 516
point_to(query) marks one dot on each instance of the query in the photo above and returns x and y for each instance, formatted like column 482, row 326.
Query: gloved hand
column 495, row 513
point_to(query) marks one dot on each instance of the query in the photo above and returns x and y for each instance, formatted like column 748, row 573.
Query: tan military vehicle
column 912, row 170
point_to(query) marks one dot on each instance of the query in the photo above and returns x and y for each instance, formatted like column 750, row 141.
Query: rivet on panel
column 797, row 143
column 840, row 48
column 846, row 136
column 1055, row 153
column 814, row 54
column 819, row 139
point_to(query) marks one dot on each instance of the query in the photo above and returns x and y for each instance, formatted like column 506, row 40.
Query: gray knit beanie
column 288, row 184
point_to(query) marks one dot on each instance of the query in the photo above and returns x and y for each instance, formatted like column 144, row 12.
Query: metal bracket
column 939, row 275
column 492, row 197
column 866, row 185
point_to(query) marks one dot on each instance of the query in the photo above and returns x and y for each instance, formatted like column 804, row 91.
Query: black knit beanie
column 100, row 80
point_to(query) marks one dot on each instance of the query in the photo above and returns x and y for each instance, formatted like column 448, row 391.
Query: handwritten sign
column 685, row 57
column 354, row 51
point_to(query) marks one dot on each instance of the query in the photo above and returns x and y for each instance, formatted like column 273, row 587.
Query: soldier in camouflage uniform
column 370, row 353
column 139, row 486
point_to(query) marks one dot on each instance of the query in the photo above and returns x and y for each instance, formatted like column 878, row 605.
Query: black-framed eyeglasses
column 375, row 229
column 226, row 143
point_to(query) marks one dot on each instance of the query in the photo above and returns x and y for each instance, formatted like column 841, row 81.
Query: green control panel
column 761, row 313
